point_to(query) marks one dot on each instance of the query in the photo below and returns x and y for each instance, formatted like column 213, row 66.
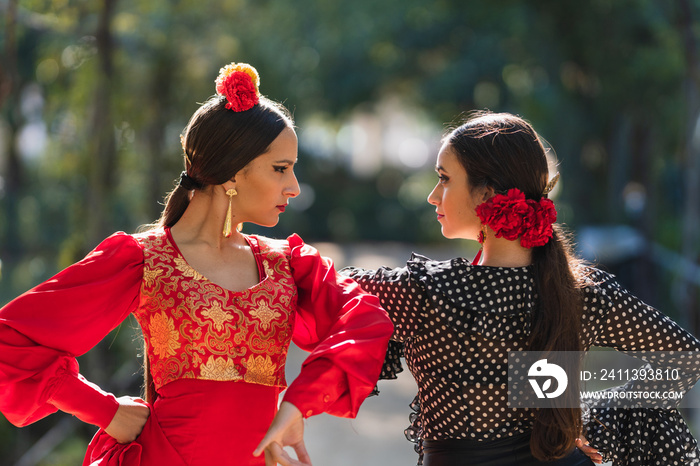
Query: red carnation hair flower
column 511, row 216
column 239, row 82
column 543, row 216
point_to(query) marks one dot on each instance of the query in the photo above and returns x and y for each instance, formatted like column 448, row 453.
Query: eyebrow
column 439, row 168
column 287, row 161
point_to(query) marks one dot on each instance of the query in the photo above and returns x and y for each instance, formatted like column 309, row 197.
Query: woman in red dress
column 217, row 309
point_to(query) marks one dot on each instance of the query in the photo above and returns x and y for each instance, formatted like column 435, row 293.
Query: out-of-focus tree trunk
column 102, row 148
column 161, row 88
column 642, row 136
column 691, row 169
column 101, row 162
column 10, row 86
column 618, row 168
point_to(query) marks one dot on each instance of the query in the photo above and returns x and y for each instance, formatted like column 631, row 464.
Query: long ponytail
column 176, row 203
column 557, row 327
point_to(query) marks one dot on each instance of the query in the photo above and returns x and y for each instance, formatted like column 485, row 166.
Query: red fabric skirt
column 195, row 423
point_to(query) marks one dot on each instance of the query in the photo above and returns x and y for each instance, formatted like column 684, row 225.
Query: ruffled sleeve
column 641, row 436
column 623, row 433
column 344, row 328
column 399, row 293
column 46, row 328
column 403, row 298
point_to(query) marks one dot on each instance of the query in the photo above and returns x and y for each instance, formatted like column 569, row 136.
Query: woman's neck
column 500, row 252
column 203, row 222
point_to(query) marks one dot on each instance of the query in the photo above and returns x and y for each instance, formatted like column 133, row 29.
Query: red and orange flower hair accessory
column 239, row 83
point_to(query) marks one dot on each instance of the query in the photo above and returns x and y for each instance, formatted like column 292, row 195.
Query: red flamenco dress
column 216, row 357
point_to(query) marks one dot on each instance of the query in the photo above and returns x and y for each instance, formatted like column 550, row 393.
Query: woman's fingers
column 275, row 454
column 302, row 454
column 129, row 420
column 589, row 451
column 286, row 430
column 264, row 444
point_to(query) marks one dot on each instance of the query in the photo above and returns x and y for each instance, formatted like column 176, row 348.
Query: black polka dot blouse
column 455, row 324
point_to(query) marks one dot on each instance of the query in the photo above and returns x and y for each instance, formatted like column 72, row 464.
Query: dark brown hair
column 503, row 151
column 217, row 144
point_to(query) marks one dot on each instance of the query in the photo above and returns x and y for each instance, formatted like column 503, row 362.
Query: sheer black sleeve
column 399, row 294
column 403, row 299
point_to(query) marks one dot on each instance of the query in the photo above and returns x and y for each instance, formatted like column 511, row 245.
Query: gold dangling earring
column 227, row 223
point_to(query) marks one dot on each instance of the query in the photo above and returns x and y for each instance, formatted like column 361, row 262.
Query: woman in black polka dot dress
column 456, row 321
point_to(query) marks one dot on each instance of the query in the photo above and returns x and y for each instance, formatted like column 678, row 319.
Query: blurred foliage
column 94, row 95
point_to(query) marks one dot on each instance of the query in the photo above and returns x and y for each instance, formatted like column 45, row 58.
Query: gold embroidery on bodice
column 195, row 329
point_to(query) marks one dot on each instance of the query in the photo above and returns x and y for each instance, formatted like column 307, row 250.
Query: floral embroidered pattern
column 164, row 337
column 219, row 368
column 260, row 369
column 186, row 270
column 149, row 275
column 218, row 315
column 265, row 314
column 196, row 329
column 268, row 270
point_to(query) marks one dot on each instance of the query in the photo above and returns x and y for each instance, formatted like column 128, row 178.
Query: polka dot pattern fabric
column 455, row 324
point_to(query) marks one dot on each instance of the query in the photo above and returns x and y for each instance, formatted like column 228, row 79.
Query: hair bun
column 239, row 83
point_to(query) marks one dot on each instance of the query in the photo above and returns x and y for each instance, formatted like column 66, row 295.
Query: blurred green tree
column 93, row 96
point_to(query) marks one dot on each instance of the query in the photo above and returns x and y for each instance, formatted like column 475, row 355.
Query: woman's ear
column 487, row 192
column 230, row 184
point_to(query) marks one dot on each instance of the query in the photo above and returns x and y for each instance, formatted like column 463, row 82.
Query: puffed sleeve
column 403, row 298
column 46, row 328
column 398, row 293
column 344, row 328
column 628, row 434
